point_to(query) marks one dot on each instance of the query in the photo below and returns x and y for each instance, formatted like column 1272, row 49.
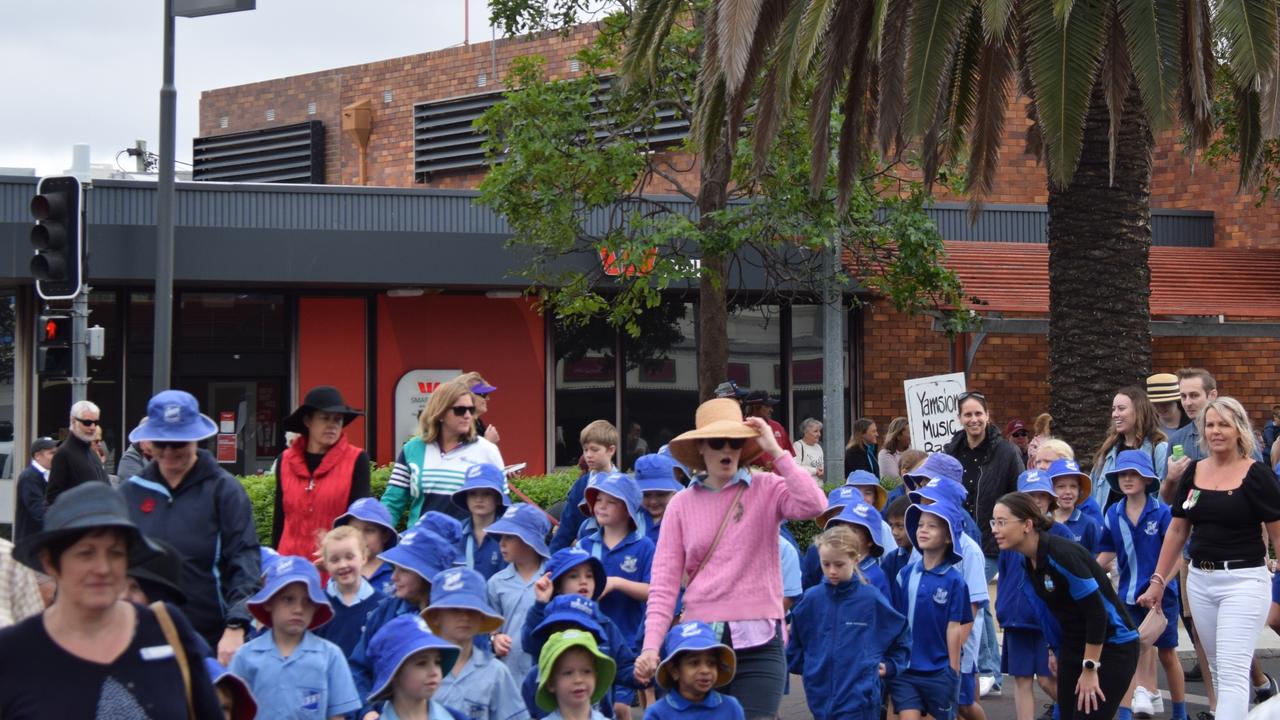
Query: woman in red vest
column 319, row 475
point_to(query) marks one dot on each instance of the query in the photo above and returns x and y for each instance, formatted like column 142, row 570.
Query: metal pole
column 80, row 346
column 833, row 379
column 164, row 213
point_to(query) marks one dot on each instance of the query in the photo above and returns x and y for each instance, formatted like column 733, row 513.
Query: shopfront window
column 585, row 381
column 661, row 393
column 8, row 319
column 806, row 368
column 755, row 354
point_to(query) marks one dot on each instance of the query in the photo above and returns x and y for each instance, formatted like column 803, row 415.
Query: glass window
column 755, row 354
column 8, row 317
column 225, row 322
column 585, row 383
column 806, row 367
column 661, row 380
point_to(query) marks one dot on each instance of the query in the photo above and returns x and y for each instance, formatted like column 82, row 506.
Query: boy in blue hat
column 478, row 685
column 866, row 524
column 484, row 496
column 521, row 534
column 655, row 476
column 1069, row 485
column 621, row 546
column 899, row 555
column 293, row 672
column 343, row 552
column 1133, row 533
column 234, row 696
column 696, row 663
column 599, row 440
column 410, row 664
column 933, row 596
column 373, row 520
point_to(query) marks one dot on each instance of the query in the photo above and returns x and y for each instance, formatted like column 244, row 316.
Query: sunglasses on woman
column 718, row 443
column 168, row 444
column 463, row 410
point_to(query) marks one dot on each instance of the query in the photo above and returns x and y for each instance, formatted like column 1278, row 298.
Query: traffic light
column 58, row 238
column 53, row 346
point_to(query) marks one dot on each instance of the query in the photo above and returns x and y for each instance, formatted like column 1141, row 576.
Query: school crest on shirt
column 310, row 698
column 1152, row 527
column 1048, row 583
column 630, row 563
column 940, row 596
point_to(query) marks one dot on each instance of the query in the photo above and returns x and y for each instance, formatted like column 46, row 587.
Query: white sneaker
column 1157, row 702
column 1142, row 707
column 985, row 683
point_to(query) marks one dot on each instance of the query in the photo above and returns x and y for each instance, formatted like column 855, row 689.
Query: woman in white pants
column 1225, row 497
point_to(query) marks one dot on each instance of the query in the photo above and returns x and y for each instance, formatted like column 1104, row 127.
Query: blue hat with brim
column 1066, row 467
column 836, row 500
column 1136, row 461
column 285, row 571
column 939, row 490
column 527, row 523
column 400, row 639
column 569, row 558
column 1035, row 481
column 937, row 466
column 460, row 588
column 864, row 515
column 656, row 473
column 483, row 476
column 620, row 486
column 861, row 479
column 676, row 465
column 948, row 513
column 447, row 527
column 174, row 416
column 582, row 613
column 421, row 552
column 371, row 511
column 695, row 637
column 266, row 556
column 245, row 705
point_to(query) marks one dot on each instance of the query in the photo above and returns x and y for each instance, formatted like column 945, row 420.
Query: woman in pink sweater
column 720, row 540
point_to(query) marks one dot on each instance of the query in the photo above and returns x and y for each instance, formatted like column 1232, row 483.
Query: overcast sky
column 89, row 71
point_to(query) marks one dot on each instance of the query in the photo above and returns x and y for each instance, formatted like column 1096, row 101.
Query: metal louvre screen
column 286, row 154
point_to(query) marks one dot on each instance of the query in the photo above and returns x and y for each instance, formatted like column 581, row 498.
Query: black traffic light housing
column 58, row 238
column 53, row 346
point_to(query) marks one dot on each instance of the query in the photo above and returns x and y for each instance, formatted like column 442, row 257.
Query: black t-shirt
column 1225, row 522
column 1083, row 606
column 42, row 680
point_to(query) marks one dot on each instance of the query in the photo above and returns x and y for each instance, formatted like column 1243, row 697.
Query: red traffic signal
column 53, row 346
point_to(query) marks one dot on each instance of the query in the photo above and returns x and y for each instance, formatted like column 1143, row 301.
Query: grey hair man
column 75, row 461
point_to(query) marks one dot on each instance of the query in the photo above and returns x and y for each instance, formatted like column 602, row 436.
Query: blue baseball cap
column 936, row 466
column 1066, row 467
column 656, row 473
column 939, row 490
column 862, row 514
column 1035, row 481
column 483, row 476
column 400, row 639
column 460, row 588
column 422, row 552
column 581, row 612
column 527, row 523
column 694, row 637
column 620, row 486
column 174, row 416
column 949, row 514
column 836, row 500
column 569, row 558
column 285, row 571
column 245, row 705
column 371, row 511
column 861, row 479
column 1137, row 461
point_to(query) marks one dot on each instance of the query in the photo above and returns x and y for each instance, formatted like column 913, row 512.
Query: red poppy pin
column 148, row 505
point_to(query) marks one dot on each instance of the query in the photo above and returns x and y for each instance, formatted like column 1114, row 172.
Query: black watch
column 1088, row 664
column 238, row 625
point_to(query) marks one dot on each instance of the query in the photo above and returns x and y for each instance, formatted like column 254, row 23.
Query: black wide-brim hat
column 92, row 505
column 159, row 576
column 322, row 398
column 759, row 397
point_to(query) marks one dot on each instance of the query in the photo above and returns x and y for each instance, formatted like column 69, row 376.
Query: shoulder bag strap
column 179, row 651
column 724, row 524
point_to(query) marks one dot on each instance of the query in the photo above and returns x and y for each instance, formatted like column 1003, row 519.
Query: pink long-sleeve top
column 744, row 579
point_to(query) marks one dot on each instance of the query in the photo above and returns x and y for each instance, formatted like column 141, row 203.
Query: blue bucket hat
column 861, row 479
column 656, row 473
column 939, row 490
column 1035, row 481
column 862, row 514
column 397, row 641
column 285, row 571
column 421, row 552
column 937, row 465
column 527, row 523
column 620, row 486
column 694, row 637
column 836, row 500
column 246, row 706
column 174, row 416
column 371, row 511
column 461, row 588
column 582, row 612
column 447, row 527
column 1137, row 461
column 1066, row 467
column 266, row 556
column 949, row 513
column 677, row 466
column 569, row 558
column 483, row 476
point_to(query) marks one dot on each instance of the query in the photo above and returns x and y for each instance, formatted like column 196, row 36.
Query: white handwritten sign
column 931, row 409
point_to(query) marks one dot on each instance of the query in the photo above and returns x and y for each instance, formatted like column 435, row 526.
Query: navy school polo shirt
column 631, row 559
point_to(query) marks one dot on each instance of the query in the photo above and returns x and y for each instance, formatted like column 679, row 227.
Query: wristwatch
column 1088, row 664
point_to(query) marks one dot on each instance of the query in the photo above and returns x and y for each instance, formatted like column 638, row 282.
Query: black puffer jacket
column 990, row 471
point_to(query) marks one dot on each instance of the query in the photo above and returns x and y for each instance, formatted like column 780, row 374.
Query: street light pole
column 833, row 375
column 160, row 357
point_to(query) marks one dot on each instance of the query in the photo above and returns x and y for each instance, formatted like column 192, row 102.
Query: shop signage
column 412, row 392
column 931, row 409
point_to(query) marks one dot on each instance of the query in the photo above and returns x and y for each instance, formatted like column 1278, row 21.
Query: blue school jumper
column 482, row 690
column 870, row 568
column 1083, row 529
column 381, row 579
column 892, row 563
column 512, row 596
column 313, row 682
column 485, row 558
column 630, row 559
column 384, row 612
column 714, row 706
column 839, row 636
column 348, row 620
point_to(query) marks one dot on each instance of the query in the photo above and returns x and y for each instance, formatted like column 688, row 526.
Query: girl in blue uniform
column 484, row 497
column 1069, row 484
column 373, row 521
column 865, row 522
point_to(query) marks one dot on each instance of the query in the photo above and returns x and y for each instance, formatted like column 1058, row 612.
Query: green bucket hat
column 556, row 646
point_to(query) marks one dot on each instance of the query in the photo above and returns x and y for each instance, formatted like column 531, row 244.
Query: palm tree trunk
column 1099, row 279
column 713, row 314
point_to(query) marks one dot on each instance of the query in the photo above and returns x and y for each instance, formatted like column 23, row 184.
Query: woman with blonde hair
column 432, row 464
column 897, row 440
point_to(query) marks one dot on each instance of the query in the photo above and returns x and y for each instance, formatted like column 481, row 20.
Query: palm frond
column 772, row 15
column 1197, row 71
column 813, row 27
column 935, row 25
column 852, row 136
column 837, row 56
column 893, row 70
column 735, row 31
column 1269, row 96
column 1249, row 126
column 709, row 95
column 1248, row 27
column 1034, row 145
column 995, row 18
column 1152, row 35
column 1116, row 77
column 964, row 85
column 654, row 19
column 995, row 72
column 775, row 91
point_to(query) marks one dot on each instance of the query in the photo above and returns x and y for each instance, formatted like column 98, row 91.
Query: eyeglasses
column 1020, row 433
column 168, row 444
column 463, row 410
column 86, row 423
column 1001, row 523
column 718, row 443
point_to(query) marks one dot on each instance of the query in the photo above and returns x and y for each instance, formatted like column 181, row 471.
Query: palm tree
column 936, row 77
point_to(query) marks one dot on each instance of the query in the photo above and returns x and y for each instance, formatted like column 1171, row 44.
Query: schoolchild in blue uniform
column 1133, row 534
column 656, row 476
column 574, row 611
column 837, row 499
column 1069, row 485
column 899, row 554
column 373, row 520
column 1060, row 466
column 599, row 441
column 845, row 639
column 873, row 493
column 934, row 597
column 521, row 533
column 478, row 685
column 696, row 663
column 352, row 597
column 410, row 663
column 573, row 675
column 291, row 671
column 866, row 523
column 484, row 496
column 942, row 476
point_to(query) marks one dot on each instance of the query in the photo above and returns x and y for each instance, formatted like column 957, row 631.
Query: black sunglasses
column 168, row 444
column 718, row 443
column 463, row 410
column 86, row 423
column 971, row 394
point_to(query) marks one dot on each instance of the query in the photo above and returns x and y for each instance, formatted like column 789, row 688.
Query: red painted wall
column 502, row 339
column 331, row 351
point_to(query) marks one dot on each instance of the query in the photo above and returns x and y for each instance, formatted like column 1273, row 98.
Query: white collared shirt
column 44, row 471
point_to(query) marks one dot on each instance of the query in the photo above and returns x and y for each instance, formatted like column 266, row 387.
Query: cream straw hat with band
column 718, row 418
column 1162, row 387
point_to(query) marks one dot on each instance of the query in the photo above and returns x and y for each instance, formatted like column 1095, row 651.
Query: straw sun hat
column 718, row 418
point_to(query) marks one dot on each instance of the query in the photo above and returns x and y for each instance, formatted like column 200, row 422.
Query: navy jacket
column 839, row 636
column 615, row 644
column 348, row 621
column 28, row 512
column 209, row 520
column 571, row 518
